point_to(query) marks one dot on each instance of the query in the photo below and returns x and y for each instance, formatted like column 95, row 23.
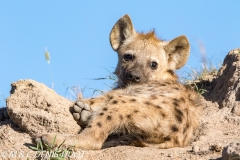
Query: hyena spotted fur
column 149, row 106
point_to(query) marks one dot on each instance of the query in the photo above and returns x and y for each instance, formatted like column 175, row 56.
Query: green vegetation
column 197, row 79
column 199, row 90
column 53, row 153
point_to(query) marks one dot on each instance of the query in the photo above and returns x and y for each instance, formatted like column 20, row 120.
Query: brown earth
column 34, row 108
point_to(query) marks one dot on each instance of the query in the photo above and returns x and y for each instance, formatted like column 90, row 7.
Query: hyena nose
column 134, row 76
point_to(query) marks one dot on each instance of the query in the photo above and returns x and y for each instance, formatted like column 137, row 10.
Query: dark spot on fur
column 167, row 138
column 129, row 116
column 176, row 88
column 99, row 124
column 179, row 118
column 178, row 111
column 147, row 103
column 174, row 128
column 158, row 107
column 89, row 126
column 101, row 113
column 121, row 117
column 105, row 109
column 175, row 104
column 175, row 100
column 133, row 100
column 110, row 97
column 135, row 111
column 178, row 115
column 163, row 84
column 176, row 141
column 114, row 102
column 91, row 102
column 109, row 117
column 123, row 101
column 182, row 99
column 163, row 115
column 186, row 128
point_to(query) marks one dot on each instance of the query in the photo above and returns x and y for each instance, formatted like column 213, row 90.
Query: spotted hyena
column 149, row 107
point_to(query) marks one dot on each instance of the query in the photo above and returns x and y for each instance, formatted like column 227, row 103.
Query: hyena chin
column 149, row 108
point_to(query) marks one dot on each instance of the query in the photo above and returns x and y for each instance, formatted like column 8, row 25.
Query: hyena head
column 143, row 57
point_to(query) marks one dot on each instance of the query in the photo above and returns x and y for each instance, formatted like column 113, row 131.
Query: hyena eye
column 128, row 57
column 154, row 65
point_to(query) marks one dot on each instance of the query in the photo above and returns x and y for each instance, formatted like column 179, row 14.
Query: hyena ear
column 178, row 52
column 121, row 31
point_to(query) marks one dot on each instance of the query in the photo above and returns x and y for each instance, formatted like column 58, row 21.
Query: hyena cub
column 149, row 105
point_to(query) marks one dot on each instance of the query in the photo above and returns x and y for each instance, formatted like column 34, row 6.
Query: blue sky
column 76, row 34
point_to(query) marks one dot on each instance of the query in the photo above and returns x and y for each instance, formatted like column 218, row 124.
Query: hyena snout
column 133, row 76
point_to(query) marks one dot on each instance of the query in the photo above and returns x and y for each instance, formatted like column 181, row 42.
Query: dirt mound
column 34, row 108
column 227, row 85
column 37, row 109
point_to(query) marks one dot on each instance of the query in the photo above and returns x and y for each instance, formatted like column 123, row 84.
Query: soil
column 34, row 108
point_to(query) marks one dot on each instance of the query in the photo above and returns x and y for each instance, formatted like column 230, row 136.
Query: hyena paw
column 49, row 139
column 81, row 113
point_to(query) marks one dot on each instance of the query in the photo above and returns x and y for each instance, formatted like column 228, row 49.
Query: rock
column 216, row 147
column 35, row 108
column 232, row 151
column 195, row 148
column 227, row 89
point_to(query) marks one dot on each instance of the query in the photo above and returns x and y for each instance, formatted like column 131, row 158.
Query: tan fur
column 149, row 107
